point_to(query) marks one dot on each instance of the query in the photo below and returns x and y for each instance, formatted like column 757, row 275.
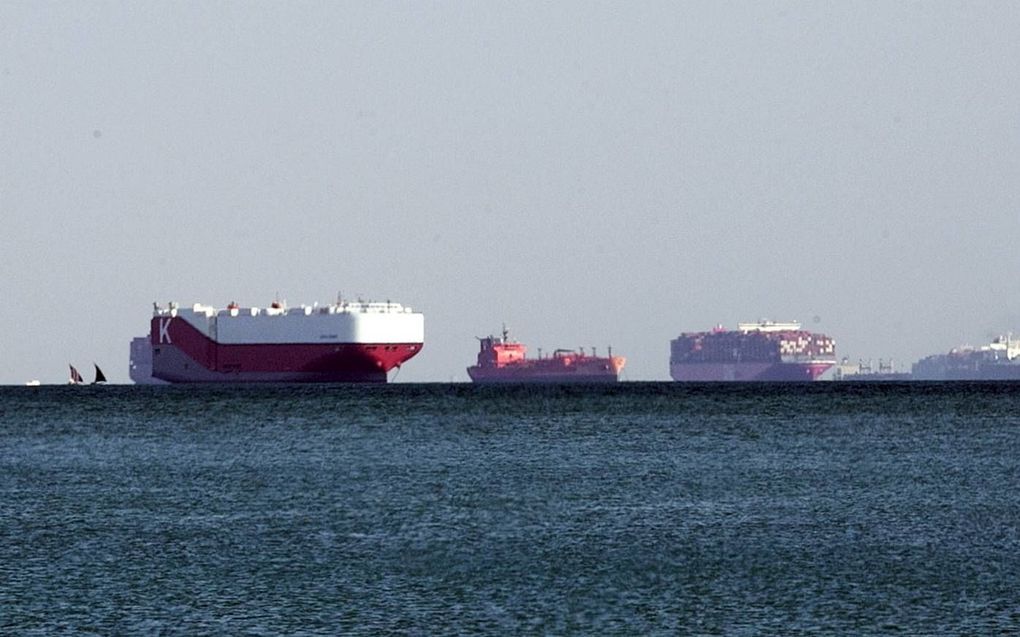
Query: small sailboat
column 76, row 378
column 100, row 377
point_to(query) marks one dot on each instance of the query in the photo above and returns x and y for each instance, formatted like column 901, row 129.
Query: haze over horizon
column 587, row 173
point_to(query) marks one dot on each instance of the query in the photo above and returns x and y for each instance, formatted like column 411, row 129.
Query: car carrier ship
column 340, row 342
column 503, row 360
column 762, row 351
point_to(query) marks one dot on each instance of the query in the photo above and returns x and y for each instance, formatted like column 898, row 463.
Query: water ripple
column 449, row 509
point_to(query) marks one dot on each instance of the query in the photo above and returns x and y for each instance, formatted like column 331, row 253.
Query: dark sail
column 100, row 378
column 76, row 378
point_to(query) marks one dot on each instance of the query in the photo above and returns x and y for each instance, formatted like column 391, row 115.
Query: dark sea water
column 452, row 509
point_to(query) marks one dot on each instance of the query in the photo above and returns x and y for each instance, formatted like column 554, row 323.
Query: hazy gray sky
column 588, row 173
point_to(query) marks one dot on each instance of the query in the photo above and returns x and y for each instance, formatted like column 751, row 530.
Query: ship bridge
column 769, row 326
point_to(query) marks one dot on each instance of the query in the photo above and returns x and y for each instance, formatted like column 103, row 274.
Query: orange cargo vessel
column 502, row 360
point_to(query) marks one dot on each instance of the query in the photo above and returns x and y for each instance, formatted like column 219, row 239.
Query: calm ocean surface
column 448, row 509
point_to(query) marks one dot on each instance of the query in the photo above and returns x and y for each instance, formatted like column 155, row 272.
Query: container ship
column 502, row 360
column 762, row 351
column 340, row 342
column 999, row 360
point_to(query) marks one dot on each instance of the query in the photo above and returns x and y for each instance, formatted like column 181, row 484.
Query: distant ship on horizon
column 76, row 377
column 503, row 360
column 339, row 342
column 864, row 371
column 998, row 360
column 762, row 351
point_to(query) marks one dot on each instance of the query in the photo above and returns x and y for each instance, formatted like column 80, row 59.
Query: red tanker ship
column 762, row 351
column 502, row 360
column 339, row 342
